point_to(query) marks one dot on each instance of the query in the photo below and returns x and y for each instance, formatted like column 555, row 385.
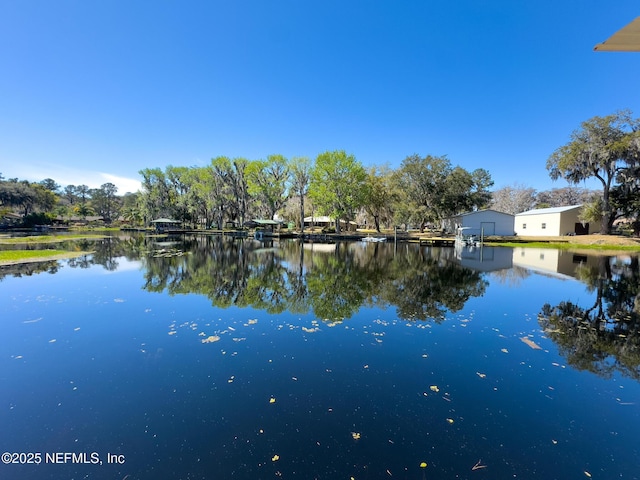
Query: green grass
column 566, row 246
column 17, row 255
column 46, row 239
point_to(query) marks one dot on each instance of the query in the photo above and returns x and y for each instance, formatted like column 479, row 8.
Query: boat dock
column 437, row 241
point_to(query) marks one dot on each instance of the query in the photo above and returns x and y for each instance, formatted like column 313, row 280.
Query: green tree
column 381, row 195
column 602, row 148
column 84, row 210
column 268, row 182
column 300, row 177
column 240, row 188
column 423, row 183
column 155, row 198
column 50, row 185
column 83, row 193
column 70, row 194
column 338, row 185
column 219, row 188
column 104, row 201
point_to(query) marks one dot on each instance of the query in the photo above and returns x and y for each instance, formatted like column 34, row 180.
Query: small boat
column 374, row 239
column 466, row 239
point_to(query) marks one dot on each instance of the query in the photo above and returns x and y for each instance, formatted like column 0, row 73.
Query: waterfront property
column 552, row 222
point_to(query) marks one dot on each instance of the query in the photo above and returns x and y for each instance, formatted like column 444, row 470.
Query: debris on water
column 450, row 420
column 504, row 350
column 481, row 375
column 310, row 330
column 423, row 465
column 211, row 339
column 275, row 458
column 272, row 400
column 531, row 343
column 587, row 474
column 478, row 465
column 252, row 321
column 434, row 388
column 355, row 435
column 172, row 332
column 53, row 340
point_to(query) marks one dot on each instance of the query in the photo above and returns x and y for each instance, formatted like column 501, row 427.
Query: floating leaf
column 434, row 388
column 531, row 343
column 481, row 375
column 272, row 400
column 504, row 350
column 355, row 435
column 275, row 458
column 450, row 420
column 211, row 339
column 423, row 465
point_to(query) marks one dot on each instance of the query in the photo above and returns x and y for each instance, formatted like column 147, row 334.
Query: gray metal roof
column 483, row 210
column 541, row 211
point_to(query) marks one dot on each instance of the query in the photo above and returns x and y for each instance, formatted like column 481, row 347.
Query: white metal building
column 482, row 222
column 551, row 222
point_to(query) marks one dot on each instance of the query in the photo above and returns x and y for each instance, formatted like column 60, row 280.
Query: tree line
column 422, row 191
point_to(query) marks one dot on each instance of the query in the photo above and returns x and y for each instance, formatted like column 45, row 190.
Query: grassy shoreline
column 14, row 257
column 37, row 239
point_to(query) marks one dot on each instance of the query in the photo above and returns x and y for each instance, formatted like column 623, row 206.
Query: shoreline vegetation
column 595, row 243
column 15, row 257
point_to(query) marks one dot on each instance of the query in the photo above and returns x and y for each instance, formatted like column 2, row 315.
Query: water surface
column 209, row 357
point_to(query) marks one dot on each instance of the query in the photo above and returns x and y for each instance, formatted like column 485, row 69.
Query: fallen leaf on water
column 423, row 465
column 450, row 420
column 531, row 343
column 172, row 332
column 478, row 465
column 434, row 388
column 504, row 350
column 355, row 435
column 275, row 458
column 272, row 400
column 481, row 375
column 587, row 474
column 211, row 339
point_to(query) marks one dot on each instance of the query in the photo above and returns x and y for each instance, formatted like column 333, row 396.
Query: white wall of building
column 489, row 222
column 547, row 222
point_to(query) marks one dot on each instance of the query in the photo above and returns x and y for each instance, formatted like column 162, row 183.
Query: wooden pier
column 437, row 241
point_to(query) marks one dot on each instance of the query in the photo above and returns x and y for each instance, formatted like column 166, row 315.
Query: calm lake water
column 216, row 358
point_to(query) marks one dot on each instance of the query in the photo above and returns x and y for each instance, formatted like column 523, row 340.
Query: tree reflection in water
column 333, row 282
column 604, row 336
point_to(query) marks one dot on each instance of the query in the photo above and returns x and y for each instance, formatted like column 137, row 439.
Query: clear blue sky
column 94, row 91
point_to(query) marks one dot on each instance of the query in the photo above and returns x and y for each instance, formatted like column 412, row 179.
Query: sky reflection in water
column 97, row 362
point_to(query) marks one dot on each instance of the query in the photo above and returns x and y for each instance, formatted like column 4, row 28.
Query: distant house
column 481, row 223
column 552, row 222
column 163, row 224
column 326, row 221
